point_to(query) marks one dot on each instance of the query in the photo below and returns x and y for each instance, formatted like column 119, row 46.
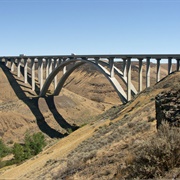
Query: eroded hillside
column 105, row 145
column 21, row 111
column 86, row 94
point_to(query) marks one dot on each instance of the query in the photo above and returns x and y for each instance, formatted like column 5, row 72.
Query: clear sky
column 62, row 27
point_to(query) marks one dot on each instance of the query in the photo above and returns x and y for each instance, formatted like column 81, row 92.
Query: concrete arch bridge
column 48, row 68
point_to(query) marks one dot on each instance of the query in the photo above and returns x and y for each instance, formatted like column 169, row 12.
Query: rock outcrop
column 168, row 108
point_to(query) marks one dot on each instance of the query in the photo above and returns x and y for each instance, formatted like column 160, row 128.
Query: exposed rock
column 168, row 108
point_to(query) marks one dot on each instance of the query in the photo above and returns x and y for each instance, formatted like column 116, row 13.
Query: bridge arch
column 121, row 93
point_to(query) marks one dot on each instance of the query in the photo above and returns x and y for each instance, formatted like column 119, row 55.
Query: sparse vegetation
column 153, row 158
column 4, row 150
column 33, row 144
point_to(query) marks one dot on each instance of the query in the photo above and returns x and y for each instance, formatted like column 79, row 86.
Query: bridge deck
column 121, row 56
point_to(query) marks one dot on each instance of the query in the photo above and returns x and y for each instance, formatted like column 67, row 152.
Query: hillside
column 22, row 111
column 106, row 144
column 86, row 94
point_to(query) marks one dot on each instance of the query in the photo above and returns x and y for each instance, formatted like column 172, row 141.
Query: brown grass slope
column 86, row 93
column 22, row 111
column 100, row 150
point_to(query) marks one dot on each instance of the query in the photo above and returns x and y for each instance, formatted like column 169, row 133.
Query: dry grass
column 113, row 147
column 155, row 156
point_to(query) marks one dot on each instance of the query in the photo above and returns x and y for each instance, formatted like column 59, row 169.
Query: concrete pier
column 18, row 67
column 55, row 78
column 40, row 72
column 169, row 65
column 25, row 70
column 158, row 70
column 129, row 79
column 96, row 60
column 12, row 64
column 50, row 66
column 47, row 67
column 111, row 63
column 178, row 63
column 140, row 75
column 148, row 72
column 64, row 69
column 6, row 62
column 124, row 68
column 33, row 74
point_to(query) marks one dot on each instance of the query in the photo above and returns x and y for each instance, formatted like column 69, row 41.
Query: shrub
column 156, row 156
column 18, row 152
column 4, row 150
column 35, row 143
column 32, row 146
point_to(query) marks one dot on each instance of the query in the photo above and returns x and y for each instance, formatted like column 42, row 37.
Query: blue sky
column 47, row 27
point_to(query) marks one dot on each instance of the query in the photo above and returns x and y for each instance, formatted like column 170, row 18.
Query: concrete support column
column 129, row 79
column 57, row 62
column 177, row 68
column 55, row 78
column 124, row 68
column 2, row 59
column 50, row 66
column 96, row 60
column 25, row 70
column 169, row 66
column 12, row 64
column 111, row 63
column 39, row 67
column 64, row 68
column 60, row 61
column 18, row 67
column 33, row 74
column 47, row 68
column 140, row 75
column 158, row 70
column 148, row 72
column 6, row 62
column 40, row 62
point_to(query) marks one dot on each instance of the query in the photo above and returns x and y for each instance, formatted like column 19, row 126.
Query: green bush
column 35, row 143
column 18, row 151
column 32, row 146
column 4, row 150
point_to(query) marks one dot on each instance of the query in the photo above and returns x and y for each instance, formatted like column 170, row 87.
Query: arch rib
column 123, row 78
column 121, row 93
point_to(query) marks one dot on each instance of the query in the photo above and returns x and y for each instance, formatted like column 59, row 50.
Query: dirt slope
column 22, row 111
column 86, row 94
column 106, row 148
